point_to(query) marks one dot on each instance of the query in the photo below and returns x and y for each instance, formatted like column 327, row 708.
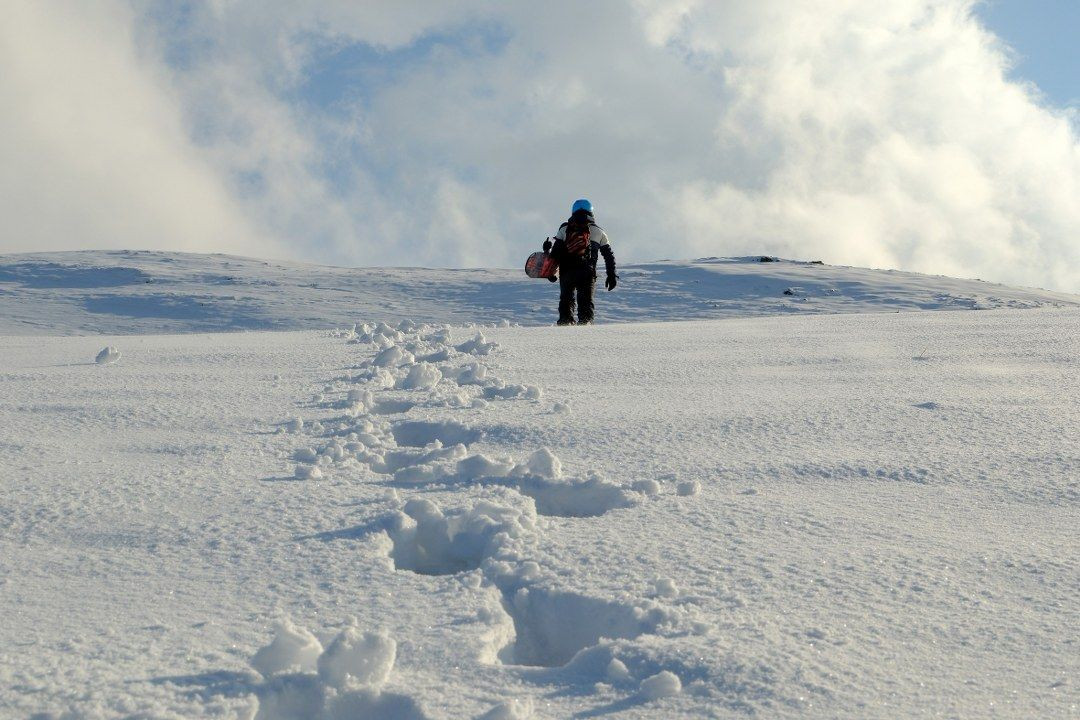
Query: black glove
column 547, row 245
column 553, row 278
column 611, row 282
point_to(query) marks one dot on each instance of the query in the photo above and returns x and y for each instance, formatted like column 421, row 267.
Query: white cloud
column 903, row 145
column 92, row 150
column 856, row 131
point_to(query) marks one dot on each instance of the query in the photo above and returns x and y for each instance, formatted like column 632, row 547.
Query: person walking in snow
column 578, row 246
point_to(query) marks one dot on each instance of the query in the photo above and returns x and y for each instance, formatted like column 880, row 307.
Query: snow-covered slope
column 144, row 292
column 862, row 515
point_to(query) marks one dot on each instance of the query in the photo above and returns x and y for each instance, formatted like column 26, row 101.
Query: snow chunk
column 349, row 334
column 477, row 466
column 457, row 400
column 477, row 346
column 419, row 474
column 646, row 487
column 440, row 336
column 497, row 389
column 107, row 356
column 472, row 374
column 292, row 649
column 306, row 455
column 617, row 672
column 334, row 451
column 661, row 685
column 393, row 356
column 307, row 472
column 357, row 658
column 510, row 710
column 665, row 588
column 688, row 488
column 295, row 425
column 369, row 439
column 441, row 355
column 384, row 330
column 422, row 376
column 361, row 396
column 382, row 378
column 542, row 463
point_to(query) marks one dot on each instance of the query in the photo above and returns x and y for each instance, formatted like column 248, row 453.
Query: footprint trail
column 397, row 430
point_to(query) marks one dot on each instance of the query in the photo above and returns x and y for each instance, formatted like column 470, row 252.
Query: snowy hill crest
column 132, row 292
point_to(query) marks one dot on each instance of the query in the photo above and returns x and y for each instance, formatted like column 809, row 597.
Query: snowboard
column 540, row 265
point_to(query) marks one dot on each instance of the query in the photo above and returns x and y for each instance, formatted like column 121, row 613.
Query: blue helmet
column 581, row 204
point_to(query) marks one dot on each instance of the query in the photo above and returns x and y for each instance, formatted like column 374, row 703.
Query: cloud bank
column 93, row 150
column 865, row 132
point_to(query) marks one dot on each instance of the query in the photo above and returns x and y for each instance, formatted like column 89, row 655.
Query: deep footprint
column 429, row 542
column 551, row 627
column 419, row 433
column 590, row 497
column 392, row 407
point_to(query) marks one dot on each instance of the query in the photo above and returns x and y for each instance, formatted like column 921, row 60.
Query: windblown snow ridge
column 135, row 292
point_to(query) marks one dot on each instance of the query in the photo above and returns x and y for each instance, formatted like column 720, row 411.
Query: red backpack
column 578, row 235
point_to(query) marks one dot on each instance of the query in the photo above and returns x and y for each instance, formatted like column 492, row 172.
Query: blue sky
column 1044, row 35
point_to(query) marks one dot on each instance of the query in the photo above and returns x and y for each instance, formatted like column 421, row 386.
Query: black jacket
column 598, row 247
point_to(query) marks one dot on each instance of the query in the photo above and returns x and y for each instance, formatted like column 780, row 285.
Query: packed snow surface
column 791, row 514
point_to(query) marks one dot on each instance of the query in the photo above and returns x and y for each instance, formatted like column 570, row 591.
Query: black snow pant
column 576, row 278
